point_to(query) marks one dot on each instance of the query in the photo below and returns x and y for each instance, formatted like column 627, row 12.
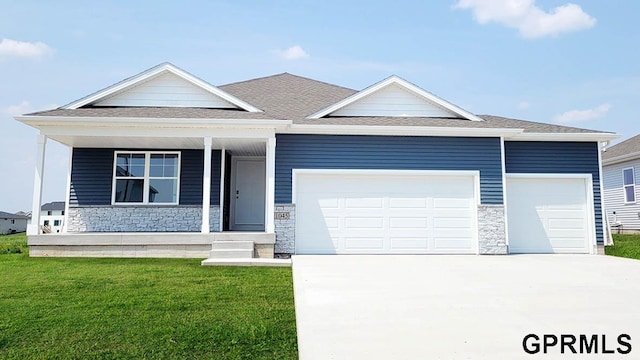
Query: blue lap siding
column 92, row 174
column 550, row 157
column 389, row 152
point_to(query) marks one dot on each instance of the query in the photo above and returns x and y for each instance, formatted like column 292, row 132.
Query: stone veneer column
column 285, row 228
column 492, row 236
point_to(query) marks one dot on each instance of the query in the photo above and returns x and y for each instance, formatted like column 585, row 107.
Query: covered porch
column 148, row 189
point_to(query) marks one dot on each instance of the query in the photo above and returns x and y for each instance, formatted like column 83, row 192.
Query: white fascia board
column 158, row 132
column 398, row 130
column 621, row 158
column 405, row 84
column 526, row 136
column 154, row 71
column 38, row 121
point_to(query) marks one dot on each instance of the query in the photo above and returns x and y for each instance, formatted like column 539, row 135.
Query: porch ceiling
column 237, row 146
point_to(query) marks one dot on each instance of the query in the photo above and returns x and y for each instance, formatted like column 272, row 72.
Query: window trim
column 146, row 178
column 633, row 185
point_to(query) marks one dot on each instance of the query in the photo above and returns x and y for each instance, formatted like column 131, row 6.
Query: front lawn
column 141, row 308
column 625, row 245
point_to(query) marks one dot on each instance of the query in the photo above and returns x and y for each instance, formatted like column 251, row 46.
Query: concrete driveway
column 465, row 307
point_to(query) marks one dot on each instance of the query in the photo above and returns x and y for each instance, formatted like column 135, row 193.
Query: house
column 12, row 223
column 166, row 164
column 621, row 167
column 52, row 216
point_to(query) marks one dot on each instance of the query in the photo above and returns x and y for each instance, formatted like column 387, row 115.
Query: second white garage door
column 549, row 214
column 385, row 212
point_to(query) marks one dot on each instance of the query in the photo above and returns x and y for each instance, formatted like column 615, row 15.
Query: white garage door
column 384, row 213
column 548, row 215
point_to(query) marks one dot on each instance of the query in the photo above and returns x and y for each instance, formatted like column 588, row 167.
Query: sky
column 570, row 63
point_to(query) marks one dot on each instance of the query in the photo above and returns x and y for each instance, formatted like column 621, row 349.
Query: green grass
column 625, row 245
column 80, row 308
column 13, row 244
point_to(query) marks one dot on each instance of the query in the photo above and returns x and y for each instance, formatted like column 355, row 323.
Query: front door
column 247, row 193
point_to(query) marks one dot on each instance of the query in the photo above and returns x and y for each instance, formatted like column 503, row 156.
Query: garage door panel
column 548, row 215
column 417, row 243
column 403, row 224
column 364, row 223
column 372, row 243
column 407, row 203
column 385, row 213
column 451, row 243
column 363, row 203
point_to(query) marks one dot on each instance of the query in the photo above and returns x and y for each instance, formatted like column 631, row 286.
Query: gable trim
column 402, row 83
column 153, row 72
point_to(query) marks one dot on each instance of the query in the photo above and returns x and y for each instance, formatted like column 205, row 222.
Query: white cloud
column 574, row 116
column 295, row 52
column 16, row 48
column 18, row 109
column 530, row 20
column 523, row 105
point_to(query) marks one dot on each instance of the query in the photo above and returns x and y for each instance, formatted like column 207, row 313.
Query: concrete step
column 247, row 262
column 256, row 237
column 231, row 254
column 232, row 245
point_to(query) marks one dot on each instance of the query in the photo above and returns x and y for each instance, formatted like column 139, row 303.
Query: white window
column 629, row 185
column 56, row 222
column 146, row 177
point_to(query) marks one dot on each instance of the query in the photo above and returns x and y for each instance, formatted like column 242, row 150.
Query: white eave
column 399, row 130
column 587, row 136
column 155, row 71
column 47, row 121
column 400, row 82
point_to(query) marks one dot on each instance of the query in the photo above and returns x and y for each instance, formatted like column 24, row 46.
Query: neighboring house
column 165, row 164
column 52, row 216
column 621, row 170
column 12, row 223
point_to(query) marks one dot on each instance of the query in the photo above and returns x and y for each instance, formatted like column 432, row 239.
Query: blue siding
column 557, row 157
column 92, row 173
column 389, row 152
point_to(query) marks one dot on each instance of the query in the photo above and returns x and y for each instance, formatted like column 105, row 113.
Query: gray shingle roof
column 6, row 215
column 56, row 205
column 291, row 97
column 154, row 112
column 626, row 147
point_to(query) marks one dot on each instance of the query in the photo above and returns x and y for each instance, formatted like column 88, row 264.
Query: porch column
column 206, row 186
column 34, row 228
column 65, row 220
column 222, row 175
column 270, row 183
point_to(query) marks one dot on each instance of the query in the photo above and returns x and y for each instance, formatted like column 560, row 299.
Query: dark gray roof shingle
column 55, row 205
column 6, row 215
column 626, row 147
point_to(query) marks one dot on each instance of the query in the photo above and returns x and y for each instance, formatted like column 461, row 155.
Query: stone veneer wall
column 140, row 219
column 492, row 236
column 285, row 229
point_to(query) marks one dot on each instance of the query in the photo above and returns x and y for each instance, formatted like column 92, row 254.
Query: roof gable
column 164, row 85
column 394, row 97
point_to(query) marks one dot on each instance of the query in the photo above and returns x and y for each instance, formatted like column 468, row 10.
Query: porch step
column 231, row 254
column 231, row 245
column 231, row 249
